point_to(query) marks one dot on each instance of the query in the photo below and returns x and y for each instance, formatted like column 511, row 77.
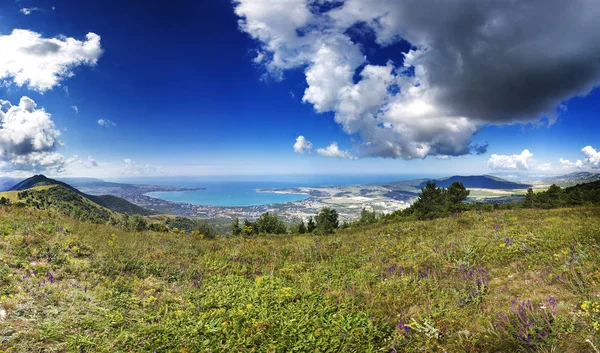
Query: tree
column 456, row 195
column 327, row 221
column 431, row 202
column 310, row 225
column 367, row 217
column 235, row 226
column 529, row 201
column 268, row 223
column 555, row 196
column 301, row 227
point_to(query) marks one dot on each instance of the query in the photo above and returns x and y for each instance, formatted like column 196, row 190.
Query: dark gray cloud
column 472, row 63
column 480, row 149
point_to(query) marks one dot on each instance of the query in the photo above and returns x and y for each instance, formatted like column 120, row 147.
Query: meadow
column 525, row 280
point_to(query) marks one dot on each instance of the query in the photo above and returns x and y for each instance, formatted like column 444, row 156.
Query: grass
column 509, row 281
column 13, row 196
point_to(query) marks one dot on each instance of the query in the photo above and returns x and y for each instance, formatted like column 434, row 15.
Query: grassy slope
column 13, row 196
column 111, row 202
column 116, row 291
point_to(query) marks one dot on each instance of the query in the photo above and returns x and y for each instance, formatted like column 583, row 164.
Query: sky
column 263, row 87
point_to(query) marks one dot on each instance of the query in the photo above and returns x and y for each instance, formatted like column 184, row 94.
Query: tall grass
column 507, row 281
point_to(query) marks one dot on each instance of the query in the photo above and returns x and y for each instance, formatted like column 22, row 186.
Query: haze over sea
column 242, row 190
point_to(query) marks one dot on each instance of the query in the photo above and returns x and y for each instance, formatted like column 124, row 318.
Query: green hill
column 113, row 203
column 65, row 201
column 521, row 280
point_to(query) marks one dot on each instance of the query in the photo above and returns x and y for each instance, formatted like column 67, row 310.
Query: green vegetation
column 118, row 204
column 326, row 221
column 191, row 226
column 113, row 203
column 441, row 276
column 65, row 201
column 556, row 196
column 515, row 280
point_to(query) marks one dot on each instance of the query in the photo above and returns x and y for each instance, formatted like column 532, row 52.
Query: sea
column 241, row 191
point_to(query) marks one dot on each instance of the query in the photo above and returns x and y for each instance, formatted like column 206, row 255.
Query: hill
column 64, row 200
column 503, row 281
column 572, row 179
column 7, row 182
column 477, row 181
column 37, row 180
column 113, row 203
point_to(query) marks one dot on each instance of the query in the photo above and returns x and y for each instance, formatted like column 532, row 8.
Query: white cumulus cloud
column 27, row 58
column 592, row 156
column 334, row 151
column 591, row 160
column 302, row 144
column 28, row 138
column 515, row 161
column 571, row 165
column 469, row 64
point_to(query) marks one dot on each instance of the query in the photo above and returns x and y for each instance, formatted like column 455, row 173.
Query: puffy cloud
column 75, row 108
column 35, row 162
column 592, row 156
column 592, row 160
column 334, row 151
column 572, row 165
column 26, row 129
column 106, row 123
column 515, row 161
column 302, row 145
column 470, row 63
column 26, row 58
column 28, row 138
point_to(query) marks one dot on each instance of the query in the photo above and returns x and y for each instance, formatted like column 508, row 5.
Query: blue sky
column 184, row 88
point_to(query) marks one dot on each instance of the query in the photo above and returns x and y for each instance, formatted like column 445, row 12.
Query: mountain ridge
column 110, row 202
column 477, row 181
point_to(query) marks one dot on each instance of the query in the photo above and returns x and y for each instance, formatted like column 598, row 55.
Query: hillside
column 65, row 201
column 113, row 203
column 477, row 181
column 7, row 182
column 37, row 180
column 507, row 281
column 572, row 179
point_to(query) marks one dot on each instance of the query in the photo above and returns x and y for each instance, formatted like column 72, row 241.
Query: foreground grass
column 525, row 280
